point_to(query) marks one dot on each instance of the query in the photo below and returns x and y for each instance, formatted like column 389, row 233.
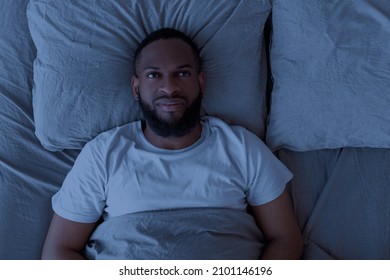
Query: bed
column 310, row 78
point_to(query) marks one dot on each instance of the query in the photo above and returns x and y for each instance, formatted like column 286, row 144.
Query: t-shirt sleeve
column 267, row 175
column 82, row 197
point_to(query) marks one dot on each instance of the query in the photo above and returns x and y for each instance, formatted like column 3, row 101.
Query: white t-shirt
column 120, row 172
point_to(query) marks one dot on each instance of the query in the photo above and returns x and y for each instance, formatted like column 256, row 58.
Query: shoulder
column 128, row 131
column 110, row 141
column 220, row 126
column 233, row 132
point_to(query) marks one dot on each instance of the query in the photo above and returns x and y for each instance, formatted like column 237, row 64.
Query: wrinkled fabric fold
column 199, row 233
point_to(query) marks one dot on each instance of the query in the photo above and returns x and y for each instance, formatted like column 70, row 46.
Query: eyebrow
column 185, row 66
column 179, row 67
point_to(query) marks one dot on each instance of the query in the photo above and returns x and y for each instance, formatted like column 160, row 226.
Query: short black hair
column 167, row 33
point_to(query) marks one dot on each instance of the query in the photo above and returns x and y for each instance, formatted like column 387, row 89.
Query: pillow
column 331, row 69
column 84, row 62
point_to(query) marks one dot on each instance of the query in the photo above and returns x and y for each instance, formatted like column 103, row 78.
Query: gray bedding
column 342, row 200
column 201, row 233
column 341, row 196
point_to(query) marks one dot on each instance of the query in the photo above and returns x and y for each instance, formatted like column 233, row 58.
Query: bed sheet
column 342, row 199
column 29, row 174
column 181, row 234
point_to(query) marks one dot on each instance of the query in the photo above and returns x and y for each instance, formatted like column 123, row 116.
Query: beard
column 169, row 128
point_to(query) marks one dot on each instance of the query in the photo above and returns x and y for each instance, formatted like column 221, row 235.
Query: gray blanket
column 203, row 233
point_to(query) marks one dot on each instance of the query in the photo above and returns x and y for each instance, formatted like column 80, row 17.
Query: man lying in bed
column 174, row 159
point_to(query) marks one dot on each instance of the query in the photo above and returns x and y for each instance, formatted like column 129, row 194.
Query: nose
column 169, row 86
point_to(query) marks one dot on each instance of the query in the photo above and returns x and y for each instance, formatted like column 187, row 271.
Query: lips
column 171, row 104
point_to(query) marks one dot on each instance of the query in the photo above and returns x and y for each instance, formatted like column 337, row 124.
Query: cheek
column 147, row 89
column 194, row 88
column 151, row 84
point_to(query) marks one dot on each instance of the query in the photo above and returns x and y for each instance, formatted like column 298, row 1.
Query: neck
column 173, row 142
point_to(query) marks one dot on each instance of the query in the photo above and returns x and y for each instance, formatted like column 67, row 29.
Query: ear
column 201, row 80
column 135, row 87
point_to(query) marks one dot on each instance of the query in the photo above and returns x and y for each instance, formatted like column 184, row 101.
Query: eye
column 152, row 75
column 184, row 73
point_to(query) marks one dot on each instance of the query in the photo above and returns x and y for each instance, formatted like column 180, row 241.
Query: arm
column 278, row 223
column 66, row 239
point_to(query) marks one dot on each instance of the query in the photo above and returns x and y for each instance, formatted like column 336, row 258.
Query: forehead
column 167, row 52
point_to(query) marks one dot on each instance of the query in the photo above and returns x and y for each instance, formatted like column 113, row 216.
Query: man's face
column 168, row 86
